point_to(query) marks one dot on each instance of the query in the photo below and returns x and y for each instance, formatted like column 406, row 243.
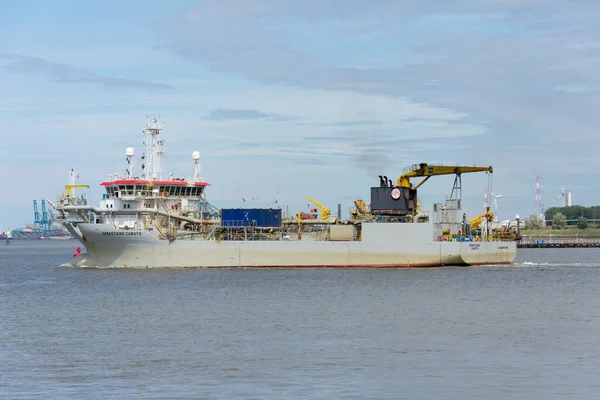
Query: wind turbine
column 276, row 201
column 566, row 195
column 496, row 197
column 244, row 199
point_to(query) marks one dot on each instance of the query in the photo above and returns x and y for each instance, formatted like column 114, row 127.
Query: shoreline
column 563, row 233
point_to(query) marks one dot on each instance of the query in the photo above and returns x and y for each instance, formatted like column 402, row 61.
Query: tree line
column 574, row 212
column 558, row 217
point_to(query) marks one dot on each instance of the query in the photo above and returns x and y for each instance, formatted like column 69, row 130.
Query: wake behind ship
column 149, row 221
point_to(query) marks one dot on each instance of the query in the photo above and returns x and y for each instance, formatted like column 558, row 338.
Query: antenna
column 154, row 148
column 73, row 176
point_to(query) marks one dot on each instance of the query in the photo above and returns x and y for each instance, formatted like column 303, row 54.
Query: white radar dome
column 196, row 155
column 129, row 152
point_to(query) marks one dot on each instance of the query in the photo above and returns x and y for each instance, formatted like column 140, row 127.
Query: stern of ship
column 488, row 253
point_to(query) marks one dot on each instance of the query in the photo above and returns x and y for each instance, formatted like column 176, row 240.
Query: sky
column 288, row 99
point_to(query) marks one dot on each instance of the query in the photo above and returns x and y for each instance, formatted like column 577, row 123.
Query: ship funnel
column 386, row 181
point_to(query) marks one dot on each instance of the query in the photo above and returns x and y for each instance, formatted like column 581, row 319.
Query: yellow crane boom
column 478, row 220
column 68, row 188
column 325, row 212
column 427, row 171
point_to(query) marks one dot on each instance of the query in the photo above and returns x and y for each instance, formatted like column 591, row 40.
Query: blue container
column 251, row 217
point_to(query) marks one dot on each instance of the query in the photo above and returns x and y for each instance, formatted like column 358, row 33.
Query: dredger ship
column 147, row 220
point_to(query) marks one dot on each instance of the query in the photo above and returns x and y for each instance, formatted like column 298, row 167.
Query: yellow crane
column 478, row 220
column 427, row 171
column 361, row 208
column 325, row 212
column 68, row 188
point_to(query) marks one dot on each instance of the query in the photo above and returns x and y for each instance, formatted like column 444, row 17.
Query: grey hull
column 382, row 246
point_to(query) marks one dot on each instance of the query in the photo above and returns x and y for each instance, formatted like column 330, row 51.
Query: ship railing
column 476, row 238
column 505, row 236
column 559, row 240
column 238, row 223
column 259, row 233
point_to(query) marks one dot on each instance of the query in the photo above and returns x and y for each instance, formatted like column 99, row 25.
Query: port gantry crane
column 427, row 171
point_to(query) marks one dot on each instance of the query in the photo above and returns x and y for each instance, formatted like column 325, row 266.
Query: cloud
column 221, row 114
column 575, row 88
column 62, row 73
column 505, row 67
column 250, row 144
column 343, row 123
column 347, row 84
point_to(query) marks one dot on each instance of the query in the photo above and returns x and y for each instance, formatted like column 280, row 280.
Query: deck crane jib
column 325, row 212
column 427, row 171
column 401, row 199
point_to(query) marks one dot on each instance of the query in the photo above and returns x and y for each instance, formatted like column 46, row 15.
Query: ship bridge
column 150, row 184
column 139, row 188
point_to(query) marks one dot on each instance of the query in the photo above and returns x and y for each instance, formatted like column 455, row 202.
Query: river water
column 526, row 331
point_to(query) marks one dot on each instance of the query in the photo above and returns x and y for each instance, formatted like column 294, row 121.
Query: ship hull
column 394, row 247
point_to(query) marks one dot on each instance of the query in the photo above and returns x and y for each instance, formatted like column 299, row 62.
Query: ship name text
column 123, row 233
